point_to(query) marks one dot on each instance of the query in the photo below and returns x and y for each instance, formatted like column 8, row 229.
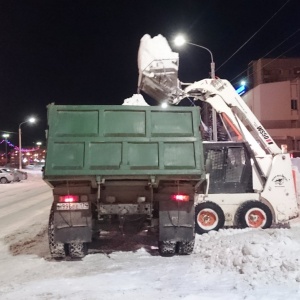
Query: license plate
column 72, row 206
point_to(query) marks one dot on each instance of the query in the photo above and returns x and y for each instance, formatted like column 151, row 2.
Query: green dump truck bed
column 89, row 140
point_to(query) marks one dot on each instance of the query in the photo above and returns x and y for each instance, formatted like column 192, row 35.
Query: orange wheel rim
column 256, row 218
column 206, row 218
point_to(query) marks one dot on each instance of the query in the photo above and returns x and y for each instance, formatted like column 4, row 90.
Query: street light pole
column 212, row 63
column 5, row 135
column 31, row 120
column 180, row 41
column 20, row 147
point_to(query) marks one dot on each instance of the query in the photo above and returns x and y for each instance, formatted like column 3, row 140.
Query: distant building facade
column 267, row 70
column 274, row 98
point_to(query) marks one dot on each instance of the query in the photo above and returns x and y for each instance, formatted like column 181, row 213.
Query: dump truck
column 108, row 164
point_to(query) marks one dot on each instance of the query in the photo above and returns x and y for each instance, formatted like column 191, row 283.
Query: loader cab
column 229, row 166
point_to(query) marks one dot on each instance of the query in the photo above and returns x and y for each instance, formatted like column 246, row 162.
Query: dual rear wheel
column 61, row 250
column 170, row 248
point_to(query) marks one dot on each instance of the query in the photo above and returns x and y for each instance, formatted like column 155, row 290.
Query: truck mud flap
column 176, row 221
column 72, row 226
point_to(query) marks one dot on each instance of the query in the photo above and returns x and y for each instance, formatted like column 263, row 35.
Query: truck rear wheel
column 186, row 248
column 57, row 250
column 167, row 248
column 208, row 216
column 254, row 214
column 77, row 250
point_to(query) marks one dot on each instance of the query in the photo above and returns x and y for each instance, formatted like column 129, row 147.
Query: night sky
column 85, row 52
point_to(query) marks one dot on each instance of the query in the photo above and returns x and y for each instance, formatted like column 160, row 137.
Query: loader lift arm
column 220, row 94
column 158, row 77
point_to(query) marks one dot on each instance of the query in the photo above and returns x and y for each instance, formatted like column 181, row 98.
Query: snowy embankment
column 230, row 264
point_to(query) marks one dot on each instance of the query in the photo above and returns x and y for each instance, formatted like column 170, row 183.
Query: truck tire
column 77, row 250
column 208, row 216
column 254, row 214
column 57, row 250
column 167, row 248
column 186, row 248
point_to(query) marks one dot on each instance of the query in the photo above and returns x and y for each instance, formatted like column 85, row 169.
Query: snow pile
column 226, row 265
column 136, row 99
column 156, row 48
column 158, row 70
column 261, row 257
column 296, row 168
column 232, row 264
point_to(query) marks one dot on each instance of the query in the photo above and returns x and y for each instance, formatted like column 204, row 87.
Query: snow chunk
column 136, row 99
column 253, row 250
column 156, row 48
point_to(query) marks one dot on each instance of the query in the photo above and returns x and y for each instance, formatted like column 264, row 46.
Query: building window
column 297, row 71
column 276, row 71
column 294, row 104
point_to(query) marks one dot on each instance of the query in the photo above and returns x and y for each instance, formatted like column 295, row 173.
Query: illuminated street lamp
column 30, row 120
column 5, row 135
column 179, row 41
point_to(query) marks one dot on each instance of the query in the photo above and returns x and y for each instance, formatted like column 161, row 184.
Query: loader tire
column 208, row 216
column 254, row 214
column 57, row 250
column 186, row 248
column 167, row 248
column 77, row 250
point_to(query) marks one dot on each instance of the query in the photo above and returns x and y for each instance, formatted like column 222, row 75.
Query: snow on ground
column 230, row 264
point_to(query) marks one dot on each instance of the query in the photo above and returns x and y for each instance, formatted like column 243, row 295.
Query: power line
column 276, row 57
column 6, row 131
column 253, row 35
column 282, row 42
column 269, row 52
column 281, row 54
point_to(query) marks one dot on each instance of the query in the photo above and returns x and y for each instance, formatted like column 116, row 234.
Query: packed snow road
column 21, row 202
column 230, row 264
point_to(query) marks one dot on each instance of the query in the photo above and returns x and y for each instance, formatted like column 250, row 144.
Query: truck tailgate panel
column 123, row 140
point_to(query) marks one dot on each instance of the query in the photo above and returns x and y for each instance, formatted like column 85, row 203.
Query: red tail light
column 181, row 198
column 68, row 198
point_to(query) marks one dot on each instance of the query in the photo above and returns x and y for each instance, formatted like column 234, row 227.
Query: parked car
column 6, row 177
column 22, row 174
column 18, row 175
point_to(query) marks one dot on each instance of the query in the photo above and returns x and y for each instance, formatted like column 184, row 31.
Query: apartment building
column 274, row 98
